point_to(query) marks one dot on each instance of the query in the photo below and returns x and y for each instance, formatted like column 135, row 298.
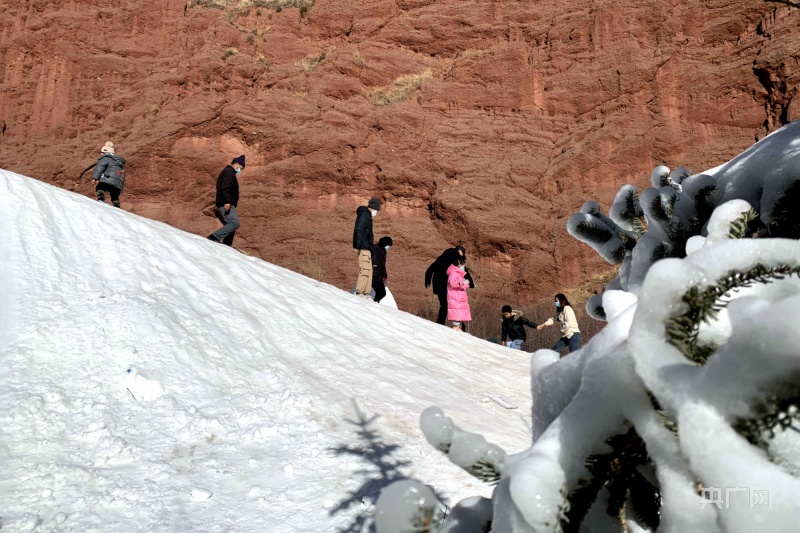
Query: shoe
column 212, row 238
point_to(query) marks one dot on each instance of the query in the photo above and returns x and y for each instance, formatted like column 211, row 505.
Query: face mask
column 463, row 268
column 238, row 170
column 387, row 248
column 373, row 212
column 558, row 304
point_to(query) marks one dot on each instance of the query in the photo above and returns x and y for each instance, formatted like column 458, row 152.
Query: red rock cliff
column 481, row 122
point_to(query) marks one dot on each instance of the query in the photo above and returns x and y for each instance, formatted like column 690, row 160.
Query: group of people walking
column 514, row 323
column 448, row 275
column 450, row 279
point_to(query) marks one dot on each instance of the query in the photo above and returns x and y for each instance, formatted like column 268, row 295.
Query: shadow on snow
column 383, row 469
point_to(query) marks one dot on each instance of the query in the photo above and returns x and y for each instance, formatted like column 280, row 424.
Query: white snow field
column 151, row 380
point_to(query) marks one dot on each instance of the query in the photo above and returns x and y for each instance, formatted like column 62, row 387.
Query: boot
column 101, row 197
column 115, row 203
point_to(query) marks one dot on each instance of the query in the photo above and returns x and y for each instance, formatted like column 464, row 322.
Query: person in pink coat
column 457, row 285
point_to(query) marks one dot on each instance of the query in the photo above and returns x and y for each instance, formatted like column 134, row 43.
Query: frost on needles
column 683, row 413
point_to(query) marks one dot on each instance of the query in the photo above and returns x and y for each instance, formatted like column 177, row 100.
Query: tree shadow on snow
column 383, row 470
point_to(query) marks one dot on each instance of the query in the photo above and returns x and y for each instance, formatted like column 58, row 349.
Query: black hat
column 374, row 203
column 385, row 241
column 239, row 160
column 507, row 309
column 461, row 249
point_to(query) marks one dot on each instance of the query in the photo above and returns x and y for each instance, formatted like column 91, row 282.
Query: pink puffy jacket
column 457, row 305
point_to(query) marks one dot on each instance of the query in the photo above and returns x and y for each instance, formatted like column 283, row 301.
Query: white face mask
column 387, row 248
column 373, row 212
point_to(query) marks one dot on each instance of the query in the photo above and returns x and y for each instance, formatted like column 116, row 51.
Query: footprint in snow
column 200, row 494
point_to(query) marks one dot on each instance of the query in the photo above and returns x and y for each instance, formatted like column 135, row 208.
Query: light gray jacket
column 110, row 169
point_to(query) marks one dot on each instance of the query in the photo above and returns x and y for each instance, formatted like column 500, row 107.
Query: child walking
column 457, row 285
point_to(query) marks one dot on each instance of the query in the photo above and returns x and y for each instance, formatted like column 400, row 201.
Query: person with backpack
column 379, row 275
column 514, row 327
column 436, row 276
column 109, row 174
column 568, row 324
column 363, row 243
column 457, row 304
column 226, row 201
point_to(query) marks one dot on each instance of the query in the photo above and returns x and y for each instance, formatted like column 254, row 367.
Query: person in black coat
column 514, row 328
column 379, row 274
column 226, row 200
column 363, row 242
column 436, row 276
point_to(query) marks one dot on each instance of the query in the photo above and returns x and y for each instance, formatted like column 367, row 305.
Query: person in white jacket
column 565, row 316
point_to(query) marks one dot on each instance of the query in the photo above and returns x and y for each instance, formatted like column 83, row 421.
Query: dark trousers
column 379, row 288
column 442, row 318
column 110, row 189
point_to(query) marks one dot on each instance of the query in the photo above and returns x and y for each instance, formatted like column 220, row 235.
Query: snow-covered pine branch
column 678, row 207
column 683, row 413
column 592, row 227
column 626, row 211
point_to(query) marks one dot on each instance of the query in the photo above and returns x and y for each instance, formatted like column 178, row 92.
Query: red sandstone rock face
column 481, row 122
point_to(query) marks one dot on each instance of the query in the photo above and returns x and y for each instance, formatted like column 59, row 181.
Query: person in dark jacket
column 379, row 275
column 514, row 328
column 109, row 174
column 226, row 202
column 436, row 276
column 363, row 242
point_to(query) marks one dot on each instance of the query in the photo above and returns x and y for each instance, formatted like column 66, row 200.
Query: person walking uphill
column 457, row 285
column 436, row 276
column 568, row 323
column 379, row 274
column 226, row 202
column 514, row 327
column 109, row 174
column 363, row 242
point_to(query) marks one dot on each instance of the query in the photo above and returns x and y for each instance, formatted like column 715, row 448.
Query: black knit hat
column 507, row 309
column 374, row 203
column 239, row 160
column 385, row 241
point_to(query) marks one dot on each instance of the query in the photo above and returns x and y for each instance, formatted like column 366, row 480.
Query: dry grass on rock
column 400, row 89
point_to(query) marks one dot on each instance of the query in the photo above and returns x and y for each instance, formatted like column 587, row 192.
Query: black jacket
column 514, row 327
column 379, row 263
column 436, row 274
column 362, row 233
column 227, row 187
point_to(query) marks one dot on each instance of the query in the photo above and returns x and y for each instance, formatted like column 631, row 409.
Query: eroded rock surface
column 482, row 122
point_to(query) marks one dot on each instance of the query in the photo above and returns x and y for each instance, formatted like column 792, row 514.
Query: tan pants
column 364, row 283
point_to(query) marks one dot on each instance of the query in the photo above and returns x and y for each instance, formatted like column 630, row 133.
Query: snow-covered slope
column 144, row 368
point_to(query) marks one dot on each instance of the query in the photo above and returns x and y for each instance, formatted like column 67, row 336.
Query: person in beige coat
column 568, row 323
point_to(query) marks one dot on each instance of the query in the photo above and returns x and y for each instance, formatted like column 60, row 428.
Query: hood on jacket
column 515, row 314
column 363, row 209
column 453, row 268
column 113, row 157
